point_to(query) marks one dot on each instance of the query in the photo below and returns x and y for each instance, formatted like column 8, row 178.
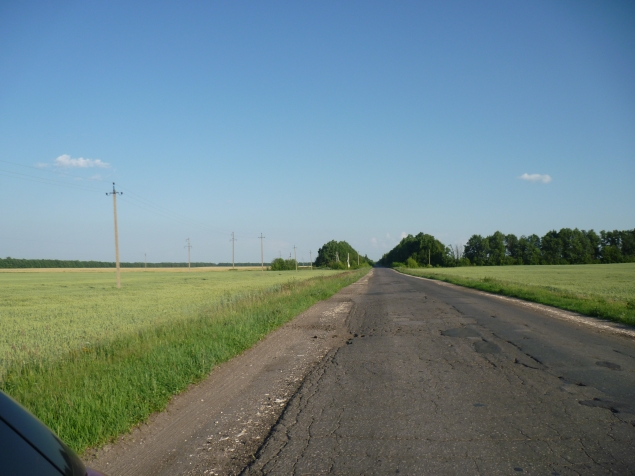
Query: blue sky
column 310, row 121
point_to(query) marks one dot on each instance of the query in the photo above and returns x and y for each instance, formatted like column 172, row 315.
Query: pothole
column 460, row 332
column 596, row 402
column 608, row 365
column 485, row 347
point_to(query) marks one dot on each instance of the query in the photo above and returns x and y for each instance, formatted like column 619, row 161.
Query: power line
column 43, row 169
column 44, row 180
column 166, row 213
column 182, row 220
column 132, row 197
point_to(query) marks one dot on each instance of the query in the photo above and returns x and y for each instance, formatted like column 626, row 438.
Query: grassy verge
column 92, row 395
column 604, row 305
column 48, row 314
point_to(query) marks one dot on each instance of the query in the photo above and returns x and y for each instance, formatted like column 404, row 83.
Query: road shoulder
column 216, row 426
column 581, row 319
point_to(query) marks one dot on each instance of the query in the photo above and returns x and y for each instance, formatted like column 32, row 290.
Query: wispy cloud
column 66, row 161
column 383, row 243
column 403, row 235
column 536, row 178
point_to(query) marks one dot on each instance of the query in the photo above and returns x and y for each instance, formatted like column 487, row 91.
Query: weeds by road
column 95, row 393
column 45, row 314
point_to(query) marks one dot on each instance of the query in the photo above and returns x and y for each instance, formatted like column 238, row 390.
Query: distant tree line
column 335, row 254
column 280, row 264
column 566, row 246
column 9, row 262
column 420, row 250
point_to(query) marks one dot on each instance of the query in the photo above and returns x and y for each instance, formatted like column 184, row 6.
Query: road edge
column 600, row 324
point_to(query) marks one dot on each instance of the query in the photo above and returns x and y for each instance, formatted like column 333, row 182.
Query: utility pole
column 188, row 246
column 262, row 255
column 348, row 260
column 114, row 204
column 428, row 256
column 233, row 240
column 295, row 257
column 310, row 260
column 337, row 256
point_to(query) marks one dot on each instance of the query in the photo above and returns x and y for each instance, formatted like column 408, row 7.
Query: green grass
column 606, row 290
column 46, row 314
column 91, row 394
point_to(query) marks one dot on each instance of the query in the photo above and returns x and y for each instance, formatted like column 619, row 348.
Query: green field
column 601, row 290
column 46, row 314
column 92, row 361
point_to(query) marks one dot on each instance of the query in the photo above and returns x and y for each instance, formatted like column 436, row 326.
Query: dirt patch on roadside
column 216, row 426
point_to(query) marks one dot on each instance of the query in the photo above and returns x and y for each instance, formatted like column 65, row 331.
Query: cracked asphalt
column 439, row 379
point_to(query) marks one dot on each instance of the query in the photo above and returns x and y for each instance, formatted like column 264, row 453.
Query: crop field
column 91, row 361
column 602, row 290
column 48, row 313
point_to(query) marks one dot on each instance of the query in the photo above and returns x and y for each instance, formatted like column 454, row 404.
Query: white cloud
column 373, row 241
column 95, row 177
column 536, row 178
column 66, row 161
column 403, row 235
column 41, row 165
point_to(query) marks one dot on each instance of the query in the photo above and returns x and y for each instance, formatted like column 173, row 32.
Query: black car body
column 28, row 447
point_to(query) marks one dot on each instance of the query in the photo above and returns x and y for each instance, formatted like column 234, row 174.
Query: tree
column 497, row 250
column 280, row 264
column 512, row 247
column 477, row 250
column 628, row 245
column 423, row 249
column 331, row 252
column 529, row 249
column 611, row 246
column 551, row 248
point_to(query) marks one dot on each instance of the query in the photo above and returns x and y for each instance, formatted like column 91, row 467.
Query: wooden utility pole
column 114, row 204
column 188, row 246
column 428, row 256
column 262, row 255
column 295, row 258
column 348, row 260
column 233, row 240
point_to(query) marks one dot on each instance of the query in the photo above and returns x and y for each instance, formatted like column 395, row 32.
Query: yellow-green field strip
column 606, row 291
column 151, row 339
column 48, row 313
column 128, row 270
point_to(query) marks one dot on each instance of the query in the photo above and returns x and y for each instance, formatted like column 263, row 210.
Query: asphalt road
column 443, row 380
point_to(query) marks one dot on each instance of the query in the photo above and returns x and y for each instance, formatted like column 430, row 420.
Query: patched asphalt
column 438, row 379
